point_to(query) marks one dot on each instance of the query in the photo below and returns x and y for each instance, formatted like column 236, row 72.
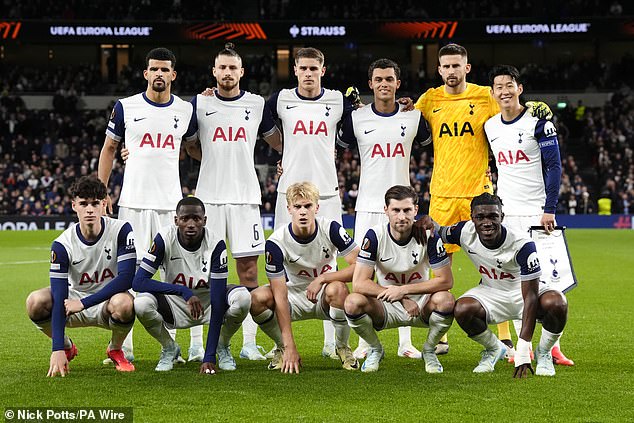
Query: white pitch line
column 14, row 263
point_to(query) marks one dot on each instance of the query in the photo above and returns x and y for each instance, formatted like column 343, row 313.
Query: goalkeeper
column 456, row 112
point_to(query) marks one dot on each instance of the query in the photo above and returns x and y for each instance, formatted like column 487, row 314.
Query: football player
column 152, row 124
column 526, row 151
column 92, row 266
column 404, row 296
column 509, row 289
column 384, row 133
column 229, row 122
column 305, row 251
column 194, row 291
column 310, row 114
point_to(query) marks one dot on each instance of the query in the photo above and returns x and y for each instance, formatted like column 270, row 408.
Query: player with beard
column 152, row 124
column 456, row 112
column 229, row 123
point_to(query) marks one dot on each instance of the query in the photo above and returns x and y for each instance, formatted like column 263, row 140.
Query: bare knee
column 261, row 300
column 336, row 293
column 121, row 307
column 465, row 308
column 442, row 302
column 355, row 303
column 553, row 301
column 39, row 304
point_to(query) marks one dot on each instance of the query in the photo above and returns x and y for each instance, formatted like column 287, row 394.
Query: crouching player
column 92, row 267
column 403, row 296
column 305, row 251
column 509, row 289
column 194, row 268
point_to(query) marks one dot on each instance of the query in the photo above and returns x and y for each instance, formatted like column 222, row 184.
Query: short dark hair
column 451, row 50
column 384, row 64
column 88, row 187
column 310, row 53
column 229, row 50
column 160, row 53
column 190, row 201
column 486, row 199
column 400, row 192
column 503, row 70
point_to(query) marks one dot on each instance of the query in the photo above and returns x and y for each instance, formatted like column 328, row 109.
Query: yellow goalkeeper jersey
column 461, row 150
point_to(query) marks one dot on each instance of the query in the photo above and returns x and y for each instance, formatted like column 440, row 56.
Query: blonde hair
column 303, row 190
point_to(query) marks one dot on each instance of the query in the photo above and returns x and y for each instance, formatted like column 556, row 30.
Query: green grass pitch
column 598, row 337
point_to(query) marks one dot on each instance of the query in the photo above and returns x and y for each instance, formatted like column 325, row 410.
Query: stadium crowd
column 43, row 151
column 181, row 10
column 71, row 82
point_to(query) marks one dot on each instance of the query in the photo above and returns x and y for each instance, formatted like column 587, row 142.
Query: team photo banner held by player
column 554, row 257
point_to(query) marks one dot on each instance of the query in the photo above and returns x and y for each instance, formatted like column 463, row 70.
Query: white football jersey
column 518, row 156
column 89, row 266
column 309, row 126
column 152, row 133
column 228, row 130
column 385, row 146
column 400, row 263
column 180, row 266
column 504, row 267
column 305, row 259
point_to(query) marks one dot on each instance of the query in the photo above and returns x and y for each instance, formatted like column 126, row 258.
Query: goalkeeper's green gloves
column 352, row 94
column 539, row 109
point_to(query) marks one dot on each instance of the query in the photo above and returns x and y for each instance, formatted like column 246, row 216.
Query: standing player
column 194, row 266
column 152, row 124
column 92, row 266
column 384, row 135
column 305, row 252
column 403, row 296
column 310, row 115
column 526, row 152
column 228, row 126
column 456, row 112
column 509, row 289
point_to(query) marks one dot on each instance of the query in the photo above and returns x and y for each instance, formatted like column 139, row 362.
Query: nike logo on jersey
column 210, row 113
column 494, row 139
column 290, row 107
column 175, row 258
column 387, row 259
column 436, row 110
column 293, row 261
column 255, row 245
column 367, row 132
column 471, row 252
column 75, row 262
column 138, row 119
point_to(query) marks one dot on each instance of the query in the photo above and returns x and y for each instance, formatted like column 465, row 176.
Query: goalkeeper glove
column 352, row 94
column 539, row 109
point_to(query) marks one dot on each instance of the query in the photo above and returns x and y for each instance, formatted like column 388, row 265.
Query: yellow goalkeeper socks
column 503, row 331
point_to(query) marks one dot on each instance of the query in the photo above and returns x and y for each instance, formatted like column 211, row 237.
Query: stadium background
column 63, row 64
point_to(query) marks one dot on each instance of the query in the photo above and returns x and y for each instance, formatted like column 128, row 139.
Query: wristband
column 522, row 352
